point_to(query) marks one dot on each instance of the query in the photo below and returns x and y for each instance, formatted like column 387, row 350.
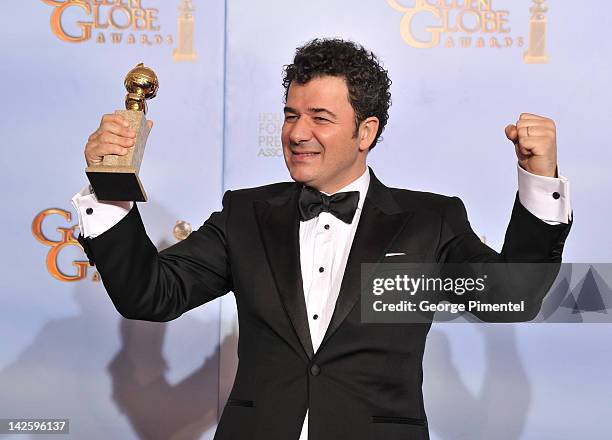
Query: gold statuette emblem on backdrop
column 536, row 52
column 116, row 178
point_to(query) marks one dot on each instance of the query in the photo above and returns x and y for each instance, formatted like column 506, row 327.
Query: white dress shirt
column 325, row 241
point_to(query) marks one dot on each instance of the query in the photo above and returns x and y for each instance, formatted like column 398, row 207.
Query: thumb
column 512, row 133
column 150, row 124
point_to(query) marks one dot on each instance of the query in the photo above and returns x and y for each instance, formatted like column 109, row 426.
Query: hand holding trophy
column 114, row 151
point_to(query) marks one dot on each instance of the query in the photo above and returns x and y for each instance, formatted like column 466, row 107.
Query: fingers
column 536, row 136
column 108, row 137
column 544, row 123
column 535, row 143
column 522, row 153
column 532, row 116
column 115, row 124
column 535, row 131
column 101, row 150
column 535, row 122
column 118, row 119
column 113, row 136
column 106, row 144
column 511, row 133
column 531, row 129
column 523, row 144
column 530, row 125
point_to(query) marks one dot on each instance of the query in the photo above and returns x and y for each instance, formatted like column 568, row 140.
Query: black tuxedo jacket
column 364, row 382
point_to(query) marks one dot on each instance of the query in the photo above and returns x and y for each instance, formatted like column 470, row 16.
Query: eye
column 321, row 119
column 290, row 118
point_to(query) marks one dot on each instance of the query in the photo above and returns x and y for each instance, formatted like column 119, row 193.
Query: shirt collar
column 360, row 184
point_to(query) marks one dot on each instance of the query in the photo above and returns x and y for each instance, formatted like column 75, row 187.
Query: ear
column 367, row 132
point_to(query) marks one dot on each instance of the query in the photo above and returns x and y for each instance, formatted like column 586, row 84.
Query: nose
column 299, row 131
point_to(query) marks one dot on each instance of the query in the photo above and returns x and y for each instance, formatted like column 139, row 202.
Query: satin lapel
column 279, row 226
column 380, row 222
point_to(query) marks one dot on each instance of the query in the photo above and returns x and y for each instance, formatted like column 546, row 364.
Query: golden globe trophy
column 116, row 178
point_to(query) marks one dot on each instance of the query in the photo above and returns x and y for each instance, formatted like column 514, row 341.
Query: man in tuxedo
column 292, row 252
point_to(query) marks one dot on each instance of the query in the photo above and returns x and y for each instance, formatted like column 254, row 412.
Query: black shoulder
column 264, row 192
column 423, row 200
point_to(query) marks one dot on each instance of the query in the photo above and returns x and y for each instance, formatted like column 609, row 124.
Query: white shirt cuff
column 96, row 217
column 548, row 198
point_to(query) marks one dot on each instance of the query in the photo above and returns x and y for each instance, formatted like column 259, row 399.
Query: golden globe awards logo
column 67, row 239
column 121, row 22
column 451, row 24
column 114, row 21
column 181, row 231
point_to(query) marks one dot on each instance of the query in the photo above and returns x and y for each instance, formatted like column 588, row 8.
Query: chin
column 301, row 175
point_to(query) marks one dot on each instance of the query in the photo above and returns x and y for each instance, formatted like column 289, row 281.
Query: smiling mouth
column 304, row 154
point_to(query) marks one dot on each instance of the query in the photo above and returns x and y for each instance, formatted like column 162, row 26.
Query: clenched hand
column 113, row 136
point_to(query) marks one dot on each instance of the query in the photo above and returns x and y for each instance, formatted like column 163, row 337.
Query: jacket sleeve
column 147, row 285
column 525, row 268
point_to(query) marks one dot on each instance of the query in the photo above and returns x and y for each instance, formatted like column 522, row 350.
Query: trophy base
column 116, row 183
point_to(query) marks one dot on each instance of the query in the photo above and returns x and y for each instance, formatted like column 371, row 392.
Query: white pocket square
column 394, row 254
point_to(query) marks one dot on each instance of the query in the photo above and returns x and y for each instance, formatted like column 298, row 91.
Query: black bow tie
column 342, row 205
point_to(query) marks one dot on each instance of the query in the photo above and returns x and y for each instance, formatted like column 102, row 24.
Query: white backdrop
column 66, row 352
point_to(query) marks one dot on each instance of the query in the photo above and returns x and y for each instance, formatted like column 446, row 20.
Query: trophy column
column 116, row 178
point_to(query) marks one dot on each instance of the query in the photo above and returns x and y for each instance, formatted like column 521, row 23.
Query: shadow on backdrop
column 155, row 408
column 498, row 410
column 114, row 384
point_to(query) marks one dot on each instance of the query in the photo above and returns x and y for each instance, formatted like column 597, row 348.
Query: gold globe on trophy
column 116, row 177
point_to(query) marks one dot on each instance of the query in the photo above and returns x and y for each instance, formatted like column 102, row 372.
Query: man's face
column 318, row 139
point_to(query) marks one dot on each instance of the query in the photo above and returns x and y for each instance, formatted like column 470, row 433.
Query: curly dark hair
column 367, row 82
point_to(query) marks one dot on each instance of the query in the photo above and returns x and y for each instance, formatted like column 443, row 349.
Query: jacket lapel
column 279, row 226
column 278, row 219
column 380, row 222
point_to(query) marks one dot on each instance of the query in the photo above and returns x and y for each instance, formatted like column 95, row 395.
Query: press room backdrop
column 461, row 71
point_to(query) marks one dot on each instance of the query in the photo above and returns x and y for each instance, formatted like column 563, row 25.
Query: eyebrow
column 312, row 110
